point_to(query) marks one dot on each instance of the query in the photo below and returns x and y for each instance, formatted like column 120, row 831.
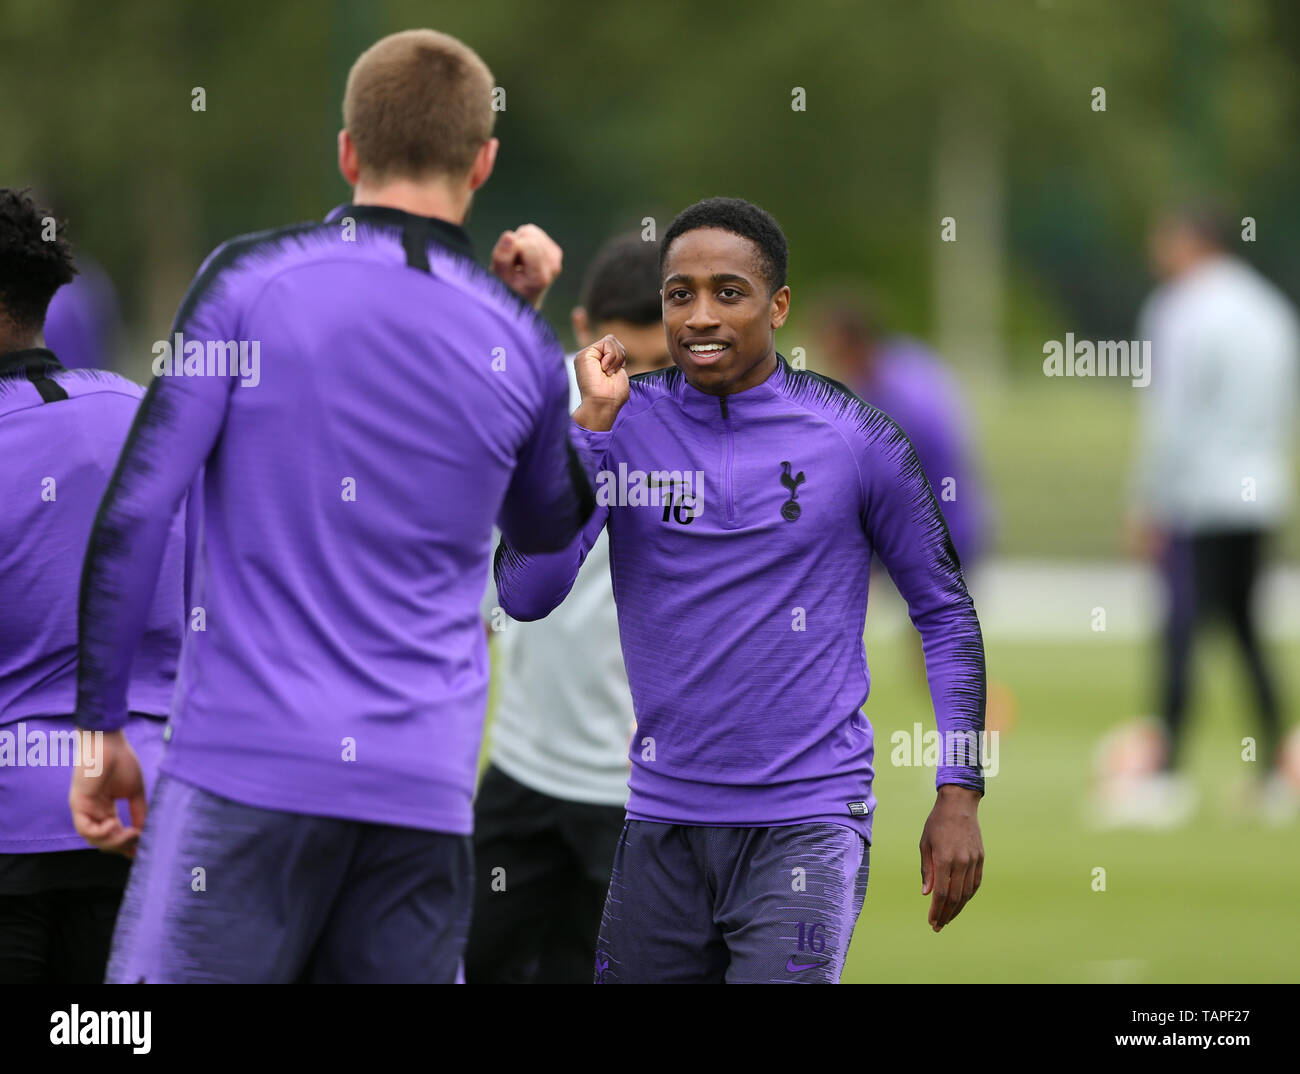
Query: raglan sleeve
column 530, row 586
column 905, row 526
column 175, row 428
column 549, row 498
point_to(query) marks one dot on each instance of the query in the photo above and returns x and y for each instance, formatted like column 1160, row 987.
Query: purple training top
column 742, row 602
column 61, row 432
column 913, row 386
column 392, row 401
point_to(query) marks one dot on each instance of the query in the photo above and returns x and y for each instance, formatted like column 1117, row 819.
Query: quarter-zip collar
column 739, row 406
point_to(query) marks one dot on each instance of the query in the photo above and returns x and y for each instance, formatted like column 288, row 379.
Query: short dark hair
column 741, row 218
column 32, row 267
column 622, row 282
column 1205, row 217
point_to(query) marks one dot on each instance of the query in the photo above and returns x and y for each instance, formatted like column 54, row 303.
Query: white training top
column 1218, row 417
column 564, row 717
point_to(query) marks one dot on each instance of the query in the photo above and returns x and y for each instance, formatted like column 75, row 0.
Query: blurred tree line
column 616, row 113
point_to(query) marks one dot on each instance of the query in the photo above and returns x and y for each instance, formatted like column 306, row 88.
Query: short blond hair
column 418, row 103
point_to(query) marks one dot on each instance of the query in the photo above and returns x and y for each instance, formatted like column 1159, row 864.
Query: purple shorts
column 226, row 892
column 701, row 905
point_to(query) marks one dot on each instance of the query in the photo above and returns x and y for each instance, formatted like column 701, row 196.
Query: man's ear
column 484, row 161
column 349, row 166
column 581, row 326
column 780, row 306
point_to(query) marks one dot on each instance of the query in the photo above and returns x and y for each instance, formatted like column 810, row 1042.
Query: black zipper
column 731, row 503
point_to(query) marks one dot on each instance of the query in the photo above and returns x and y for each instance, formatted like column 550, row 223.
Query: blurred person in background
column 1211, row 484
column 550, row 806
column 910, row 383
column 83, row 325
column 903, row 377
column 61, row 431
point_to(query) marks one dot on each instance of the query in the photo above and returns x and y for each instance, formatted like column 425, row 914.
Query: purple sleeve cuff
column 962, row 760
column 591, row 447
column 104, row 721
column 963, row 777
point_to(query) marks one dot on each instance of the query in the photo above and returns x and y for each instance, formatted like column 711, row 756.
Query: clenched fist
column 527, row 260
column 603, row 382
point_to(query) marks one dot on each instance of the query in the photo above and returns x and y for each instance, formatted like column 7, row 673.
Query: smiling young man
column 741, row 606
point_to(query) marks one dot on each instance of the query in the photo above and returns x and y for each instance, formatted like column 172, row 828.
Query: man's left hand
column 94, row 793
column 952, row 853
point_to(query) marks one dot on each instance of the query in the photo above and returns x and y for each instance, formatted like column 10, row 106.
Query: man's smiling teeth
column 707, row 348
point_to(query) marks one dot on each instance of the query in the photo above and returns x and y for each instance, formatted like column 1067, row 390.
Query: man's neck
column 435, row 199
column 13, row 344
column 1203, row 260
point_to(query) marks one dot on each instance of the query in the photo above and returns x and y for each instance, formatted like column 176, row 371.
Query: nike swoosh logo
column 795, row 967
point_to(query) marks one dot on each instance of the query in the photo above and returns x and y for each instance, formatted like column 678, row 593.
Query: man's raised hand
column 527, row 260
column 602, row 380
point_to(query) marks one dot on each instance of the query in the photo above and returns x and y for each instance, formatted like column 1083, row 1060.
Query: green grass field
column 1213, row 901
